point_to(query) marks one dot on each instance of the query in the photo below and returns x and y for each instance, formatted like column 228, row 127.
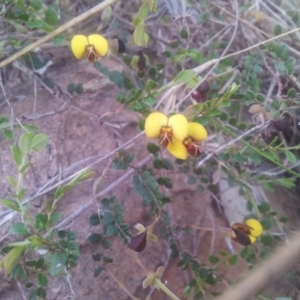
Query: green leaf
column 41, row 221
column 71, row 87
column 111, row 230
column 62, row 234
column 106, row 15
column 292, row 93
column 72, row 235
column 12, row 181
column 20, row 28
column 56, row 263
column 10, row 203
column 117, row 78
column 97, row 271
column 79, row 89
column 94, row 219
column 106, row 244
column 157, row 164
column 266, row 223
column 59, row 40
column 255, row 158
column 213, row 259
column 167, row 164
column 97, row 257
column 58, row 193
column 184, row 33
column 225, row 103
column 36, row 4
column 16, row 155
column 42, row 280
column 150, row 86
column 291, row 157
column 142, row 14
column 268, row 186
column 40, row 292
column 266, row 239
column 19, row 229
column 191, row 180
column 32, row 24
column 8, row 134
column 195, row 55
column 39, row 142
column 95, row 238
column 187, row 77
column 277, row 29
column 55, row 217
column 152, row 148
column 279, row 66
column 257, row 69
column 30, row 263
column 11, row 259
column 25, row 143
column 214, row 112
column 264, row 207
column 233, row 259
column 24, row 167
column 51, row 16
column 140, row 37
column 107, row 259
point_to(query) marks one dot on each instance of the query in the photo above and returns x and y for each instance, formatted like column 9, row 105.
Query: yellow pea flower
column 177, row 149
column 195, row 133
column 158, row 125
column 255, row 227
column 246, row 234
column 91, row 47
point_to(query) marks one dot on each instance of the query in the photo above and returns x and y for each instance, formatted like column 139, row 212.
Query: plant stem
column 253, row 148
column 162, row 287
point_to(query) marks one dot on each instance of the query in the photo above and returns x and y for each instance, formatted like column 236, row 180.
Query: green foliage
column 147, row 187
column 123, row 160
column 112, row 218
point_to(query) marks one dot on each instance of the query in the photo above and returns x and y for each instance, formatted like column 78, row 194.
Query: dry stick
column 90, row 202
column 45, row 190
column 57, row 31
column 284, row 258
column 210, row 155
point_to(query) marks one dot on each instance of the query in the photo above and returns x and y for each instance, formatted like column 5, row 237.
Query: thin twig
column 90, row 202
column 210, row 155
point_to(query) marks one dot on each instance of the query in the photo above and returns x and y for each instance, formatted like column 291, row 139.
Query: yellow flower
column 246, row 234
column 91, row 47
column 177, row 149
column 171, row 131
column 176, row 134
column 195, row 133
column 255, row 227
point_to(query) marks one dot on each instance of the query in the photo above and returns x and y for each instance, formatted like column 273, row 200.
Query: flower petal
column 197, row 131
column 177, row 149
column 78, row 45
column 255, row 227
column 153, row 124
column 99, row 43
column 252, row 238
column 179, row 126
